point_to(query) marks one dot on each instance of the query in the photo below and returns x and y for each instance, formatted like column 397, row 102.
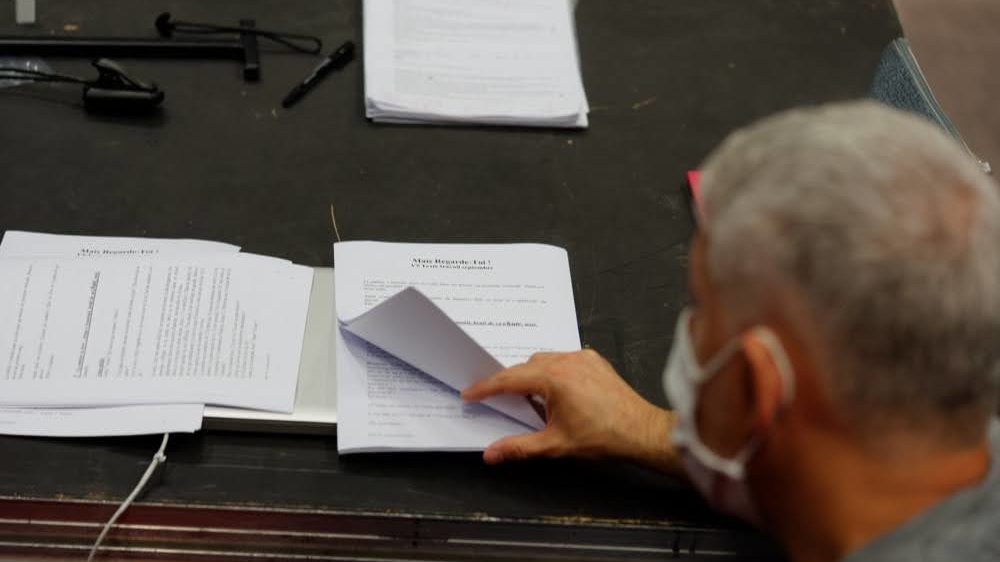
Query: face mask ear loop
column 715, row 364
column 719, row 360
column 784, row 365
column 781, row 361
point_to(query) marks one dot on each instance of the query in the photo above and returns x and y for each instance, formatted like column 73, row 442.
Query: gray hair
column 890, row 234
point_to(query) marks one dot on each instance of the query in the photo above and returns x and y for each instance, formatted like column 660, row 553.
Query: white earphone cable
column 158, row 459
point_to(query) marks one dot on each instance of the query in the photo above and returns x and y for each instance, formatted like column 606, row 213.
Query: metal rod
column 122, row 47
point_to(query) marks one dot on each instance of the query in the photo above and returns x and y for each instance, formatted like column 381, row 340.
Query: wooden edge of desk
column 64, row 528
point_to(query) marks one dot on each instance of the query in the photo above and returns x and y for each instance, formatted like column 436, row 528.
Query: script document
column 216, row 329
column 114, row 420
column 501, row 62
column 419, row 322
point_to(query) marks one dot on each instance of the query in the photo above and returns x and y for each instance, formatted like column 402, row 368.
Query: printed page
column 109, row 421
column 411, row 328
column 512, row 300
column 21, row 244
column 101, row 422
column 473, row 59
column 222, row 330
column 316, row 394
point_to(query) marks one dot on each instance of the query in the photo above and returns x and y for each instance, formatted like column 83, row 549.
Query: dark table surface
column 666, row 81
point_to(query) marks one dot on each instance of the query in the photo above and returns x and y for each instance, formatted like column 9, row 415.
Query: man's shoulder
column 964, row 526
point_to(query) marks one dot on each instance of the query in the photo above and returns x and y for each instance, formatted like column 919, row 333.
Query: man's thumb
column 518, row 447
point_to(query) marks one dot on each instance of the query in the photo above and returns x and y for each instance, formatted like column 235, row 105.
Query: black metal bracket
column 245, row 48
column 251, row 54
column 116, row 91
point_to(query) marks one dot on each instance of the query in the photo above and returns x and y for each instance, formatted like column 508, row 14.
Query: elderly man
column 835, row 379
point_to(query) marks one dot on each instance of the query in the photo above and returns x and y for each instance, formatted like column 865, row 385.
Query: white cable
column 158, row 459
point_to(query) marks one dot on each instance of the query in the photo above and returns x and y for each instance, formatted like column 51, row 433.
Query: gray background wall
column 957, row 43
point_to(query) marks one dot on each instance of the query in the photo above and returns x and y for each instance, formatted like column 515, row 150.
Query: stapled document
column 111, row 413
column 113, row 420
column 174, row 330
column 420, row 322
column 509, row 62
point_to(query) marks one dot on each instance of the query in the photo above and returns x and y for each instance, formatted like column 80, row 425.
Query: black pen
column 337, row 60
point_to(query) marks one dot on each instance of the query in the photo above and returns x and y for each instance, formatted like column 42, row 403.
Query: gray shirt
column 965, row 527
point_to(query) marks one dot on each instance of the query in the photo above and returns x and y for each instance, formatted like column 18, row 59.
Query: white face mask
column 720, row 480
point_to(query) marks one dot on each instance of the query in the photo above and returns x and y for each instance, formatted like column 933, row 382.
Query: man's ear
column 765, row 381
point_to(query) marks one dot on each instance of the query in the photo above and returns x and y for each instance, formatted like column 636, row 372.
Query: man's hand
column 591, row 412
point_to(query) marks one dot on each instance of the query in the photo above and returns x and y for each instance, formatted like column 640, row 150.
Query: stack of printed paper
column 119, row 336
column 420, row 322
column 499, row 62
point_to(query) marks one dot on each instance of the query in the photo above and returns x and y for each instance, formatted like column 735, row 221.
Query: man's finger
column 519, row 447
column 545, row 356
column 526, row 378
